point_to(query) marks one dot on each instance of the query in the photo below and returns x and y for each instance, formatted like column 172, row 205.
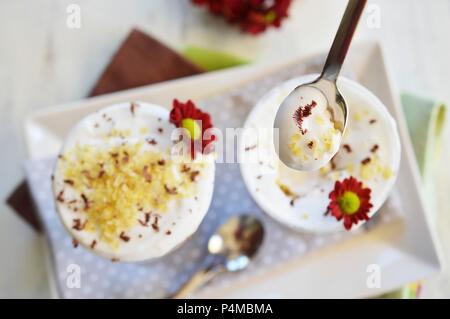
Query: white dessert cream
column 118, row 190
column 369, row 152
column 307, row 136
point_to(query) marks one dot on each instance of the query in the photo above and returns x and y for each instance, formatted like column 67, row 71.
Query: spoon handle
column 200, row 278
column 342, row 39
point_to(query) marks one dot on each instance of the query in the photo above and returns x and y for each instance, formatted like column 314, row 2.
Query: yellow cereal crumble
column 119, row 133
column 350, row 168
column 375, row 168
column 320, row 120
column 325, row 169
column 357, row 116
column 120, row 182
column 294, row 145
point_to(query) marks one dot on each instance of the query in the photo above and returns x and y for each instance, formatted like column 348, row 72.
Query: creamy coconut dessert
column 346, row 191
column 309, row 137
column 118, row 189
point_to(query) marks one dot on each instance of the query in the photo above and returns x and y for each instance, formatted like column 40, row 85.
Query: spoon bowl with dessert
column 312, row 118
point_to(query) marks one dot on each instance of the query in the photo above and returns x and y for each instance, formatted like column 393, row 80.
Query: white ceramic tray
column 405, row 251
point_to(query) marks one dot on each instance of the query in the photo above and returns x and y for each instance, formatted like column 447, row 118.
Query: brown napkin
column 141, row 60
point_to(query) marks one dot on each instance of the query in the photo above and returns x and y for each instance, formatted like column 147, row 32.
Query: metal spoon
column 230, row 249
column 326, row 84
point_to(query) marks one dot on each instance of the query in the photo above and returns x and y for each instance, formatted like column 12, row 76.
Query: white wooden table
column 43, row 63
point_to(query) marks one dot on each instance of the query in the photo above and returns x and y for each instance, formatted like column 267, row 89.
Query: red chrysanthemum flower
column 350, row 201
column 194, row 121
column 254, row 16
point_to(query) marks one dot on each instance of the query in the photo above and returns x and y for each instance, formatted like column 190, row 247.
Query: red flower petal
column 350, row 185
column 188, row 110
column 250, row 14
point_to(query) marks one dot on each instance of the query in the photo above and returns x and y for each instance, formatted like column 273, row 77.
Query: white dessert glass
column 163, row 232
column 302, row 205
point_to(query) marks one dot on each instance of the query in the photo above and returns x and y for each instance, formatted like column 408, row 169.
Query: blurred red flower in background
column 254, row 16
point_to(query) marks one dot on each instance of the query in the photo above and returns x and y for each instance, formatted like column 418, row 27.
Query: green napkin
column 211, row 60
column 424, row 117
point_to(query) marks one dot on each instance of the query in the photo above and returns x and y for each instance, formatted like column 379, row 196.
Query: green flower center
column 192, row 127
column 349, row 203
column 270, row 17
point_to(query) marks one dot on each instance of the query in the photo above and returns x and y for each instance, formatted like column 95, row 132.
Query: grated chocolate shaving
column 146, row 174
column 170, row 191
column 69, row 182
column 194, row 175
column 146, row 220
column 155, row 224
column 85, row 201
column 133, row 107
column 124, row 237
column 332, row 163
column 60, row 197
column 78, row 225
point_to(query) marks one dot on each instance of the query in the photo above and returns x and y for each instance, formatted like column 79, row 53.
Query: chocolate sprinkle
column 194, row 175
column 366, row 161
column 311, row 144
column 155, row 224
column 171, row 191
column 147, row 175
column 74, row 243
column 162, row 162
column 332, row 163
column 145, row 221
column 372, row 121
column 93, row 244
column 60, row 197
column 374, row 148
column 85, row 201
column 78, row 225
column 249, row 148
column 133, row 107
column 69, row 182
column 124, row 237
column 347, row 148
